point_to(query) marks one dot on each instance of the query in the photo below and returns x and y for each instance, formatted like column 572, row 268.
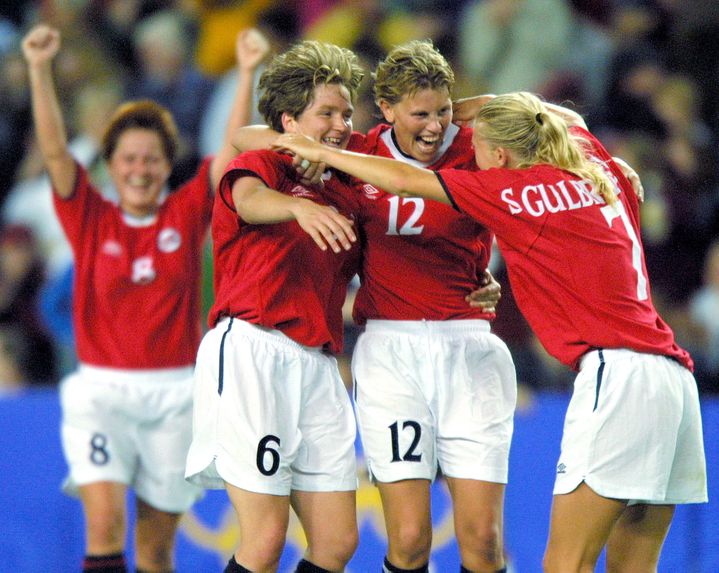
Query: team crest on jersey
column 143, row 270
column 169, row 240
column 299, row 191
column 370, row 192
column 112, row 248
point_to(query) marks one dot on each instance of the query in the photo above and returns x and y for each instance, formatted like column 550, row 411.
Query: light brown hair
column 288, row 83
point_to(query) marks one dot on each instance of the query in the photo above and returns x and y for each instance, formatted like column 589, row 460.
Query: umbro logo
column 300, row 191
column 561, row 469
column 370, row 192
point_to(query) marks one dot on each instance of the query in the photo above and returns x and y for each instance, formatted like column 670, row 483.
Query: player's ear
column 387, row 110
column 502, row 156
column 289, row 123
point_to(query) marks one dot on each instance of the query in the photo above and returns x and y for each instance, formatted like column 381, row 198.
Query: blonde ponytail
column 520, row 122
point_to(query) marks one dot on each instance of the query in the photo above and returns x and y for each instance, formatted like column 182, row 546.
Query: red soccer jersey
column 420, row 258
column 275, row 275
column 136, row 301
column 576, row 264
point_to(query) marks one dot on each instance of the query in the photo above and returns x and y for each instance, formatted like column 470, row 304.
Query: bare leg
column 103, row 504
column 329, row 520
column 155, row 538
column 263, row 520
column 478, row 523
column 636, row 539
column 406, row 506
column 579, row 528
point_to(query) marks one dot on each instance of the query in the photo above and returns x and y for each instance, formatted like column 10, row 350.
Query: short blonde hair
column 409, row 68
column 520, row 122
column 288, row 83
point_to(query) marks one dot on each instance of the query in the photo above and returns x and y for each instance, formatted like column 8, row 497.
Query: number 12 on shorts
column 414, row 430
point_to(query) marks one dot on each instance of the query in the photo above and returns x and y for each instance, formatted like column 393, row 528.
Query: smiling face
column 420, row 121
column 139, row 169
column 327, row 118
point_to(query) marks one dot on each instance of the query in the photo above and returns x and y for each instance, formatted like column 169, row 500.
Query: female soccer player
column 566, row 220
column 127, row 410
column 433, row 386
column 273, row 421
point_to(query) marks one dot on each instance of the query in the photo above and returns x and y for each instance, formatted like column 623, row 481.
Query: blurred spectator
column 14, row 354
column 704, row 316
column 218, row 22
column 113, row 23
column 14, row 117
column 168, row 75
column 502, row 46
column 55, row 304
column 21, row 276
column 29, row 202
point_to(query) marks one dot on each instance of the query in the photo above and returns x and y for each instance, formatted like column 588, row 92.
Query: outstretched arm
column 251, row 137
column 40, row 46
column 393, row 176
column 251, row 48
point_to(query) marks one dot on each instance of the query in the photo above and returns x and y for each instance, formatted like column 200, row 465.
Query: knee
column 411, row 542
column 105, row 530
column 154, row 554
column 265, row 549
column 333, row 551
column 346, row 546
column 481, row 543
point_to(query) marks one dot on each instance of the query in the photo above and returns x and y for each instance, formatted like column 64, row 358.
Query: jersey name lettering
column 536, row 200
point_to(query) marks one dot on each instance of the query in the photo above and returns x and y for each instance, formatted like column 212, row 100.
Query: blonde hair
column 520, row 122
column 409, row 68
column 288, row 83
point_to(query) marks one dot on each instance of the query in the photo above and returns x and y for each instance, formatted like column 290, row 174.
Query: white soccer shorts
column 131, row 427
column 431, row 393
column 633, row 430
column 271, row 415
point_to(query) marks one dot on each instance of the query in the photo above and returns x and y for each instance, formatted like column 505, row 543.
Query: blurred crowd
column 643, row 73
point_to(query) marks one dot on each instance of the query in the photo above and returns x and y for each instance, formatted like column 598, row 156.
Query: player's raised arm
column 251, row 49
column 40, row 46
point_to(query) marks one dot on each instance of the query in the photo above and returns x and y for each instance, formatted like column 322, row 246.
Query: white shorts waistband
column 159, row 375
column 421, row 327
column 277, row 336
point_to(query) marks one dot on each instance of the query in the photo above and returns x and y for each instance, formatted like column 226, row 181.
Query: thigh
column 105, row 512
column 154, row 537
column 478, row 505
column 330, row 542
column 394, row 416
column 637, row 537
column 406, row 504
column 580, row 525
column 263, row 521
